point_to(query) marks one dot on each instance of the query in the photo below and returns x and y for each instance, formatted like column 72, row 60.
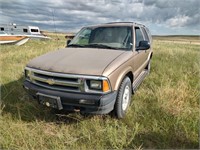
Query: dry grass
column 179, row 39
column 164, row 112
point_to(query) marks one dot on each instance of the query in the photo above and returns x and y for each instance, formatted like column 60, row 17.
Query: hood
column 87, row 61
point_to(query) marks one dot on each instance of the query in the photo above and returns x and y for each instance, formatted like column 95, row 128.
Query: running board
column 139, row 80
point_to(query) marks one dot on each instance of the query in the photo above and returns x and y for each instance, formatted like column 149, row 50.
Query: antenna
column 53, row 14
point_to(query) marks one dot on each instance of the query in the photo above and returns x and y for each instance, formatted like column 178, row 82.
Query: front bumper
column 84, row 102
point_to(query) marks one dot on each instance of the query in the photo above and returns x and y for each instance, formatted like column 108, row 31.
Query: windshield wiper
column 101, row 46
column 75, row 45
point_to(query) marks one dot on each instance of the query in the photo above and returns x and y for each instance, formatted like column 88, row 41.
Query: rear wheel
column 123, row 98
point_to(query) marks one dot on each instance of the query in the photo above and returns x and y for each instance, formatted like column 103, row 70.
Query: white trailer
column 20, row 29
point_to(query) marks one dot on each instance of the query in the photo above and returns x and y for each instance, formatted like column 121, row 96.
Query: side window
column 34, row 30
column 149, row 34
column 25, row 30
column 138, row 35
column 145, row 35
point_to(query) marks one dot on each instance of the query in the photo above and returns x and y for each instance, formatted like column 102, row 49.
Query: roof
column 118, row 24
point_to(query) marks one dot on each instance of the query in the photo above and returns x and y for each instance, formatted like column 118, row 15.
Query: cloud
column 70, row 15
column 178, row 21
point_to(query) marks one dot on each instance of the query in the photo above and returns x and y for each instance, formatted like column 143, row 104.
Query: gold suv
column 97, row 72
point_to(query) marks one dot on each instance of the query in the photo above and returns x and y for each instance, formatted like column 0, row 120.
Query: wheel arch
column 127, row 72
column 150, row 56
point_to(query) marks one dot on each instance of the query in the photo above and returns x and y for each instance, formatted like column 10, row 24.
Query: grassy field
column 164, row 112
column 179, row 39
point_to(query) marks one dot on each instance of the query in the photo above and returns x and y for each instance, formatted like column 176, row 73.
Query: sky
column 162, row 17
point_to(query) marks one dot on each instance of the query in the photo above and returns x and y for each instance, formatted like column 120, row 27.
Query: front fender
column 117, row 77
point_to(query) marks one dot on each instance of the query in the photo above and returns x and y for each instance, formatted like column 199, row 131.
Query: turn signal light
column 106, row 86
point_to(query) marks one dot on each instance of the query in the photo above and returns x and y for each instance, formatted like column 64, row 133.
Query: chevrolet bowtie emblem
column 50, row 81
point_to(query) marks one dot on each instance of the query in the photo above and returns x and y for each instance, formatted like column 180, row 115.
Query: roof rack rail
column 126, row 22
column 119, row 22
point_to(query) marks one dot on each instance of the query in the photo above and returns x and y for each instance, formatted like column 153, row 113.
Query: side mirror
column 68, row 41
column 143, row 45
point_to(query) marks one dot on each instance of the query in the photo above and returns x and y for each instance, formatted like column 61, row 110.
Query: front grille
column 57, row 81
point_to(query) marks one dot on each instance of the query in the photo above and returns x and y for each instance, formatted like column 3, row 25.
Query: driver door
column 140, row 56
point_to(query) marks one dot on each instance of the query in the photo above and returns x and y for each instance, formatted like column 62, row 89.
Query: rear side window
column 138, row 35
column 150, row 37
column 34, row 30
column 25, row 30
column 145, row 35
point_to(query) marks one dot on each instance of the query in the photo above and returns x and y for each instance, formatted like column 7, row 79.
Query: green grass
column 164, row 112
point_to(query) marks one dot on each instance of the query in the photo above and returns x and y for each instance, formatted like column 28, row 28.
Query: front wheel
column 123, row 98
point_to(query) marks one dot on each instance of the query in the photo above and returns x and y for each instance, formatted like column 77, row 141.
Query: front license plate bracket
column 50, row 101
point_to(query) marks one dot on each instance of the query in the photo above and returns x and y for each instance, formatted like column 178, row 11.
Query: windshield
column 119, row 37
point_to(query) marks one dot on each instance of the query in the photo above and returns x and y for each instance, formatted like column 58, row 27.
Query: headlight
column 95, row 84
column 98, row 85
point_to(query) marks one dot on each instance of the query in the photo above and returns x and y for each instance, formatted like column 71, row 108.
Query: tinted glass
column 139, row 36
column 145, row 34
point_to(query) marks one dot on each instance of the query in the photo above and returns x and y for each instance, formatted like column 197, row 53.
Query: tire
column 123, row 98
